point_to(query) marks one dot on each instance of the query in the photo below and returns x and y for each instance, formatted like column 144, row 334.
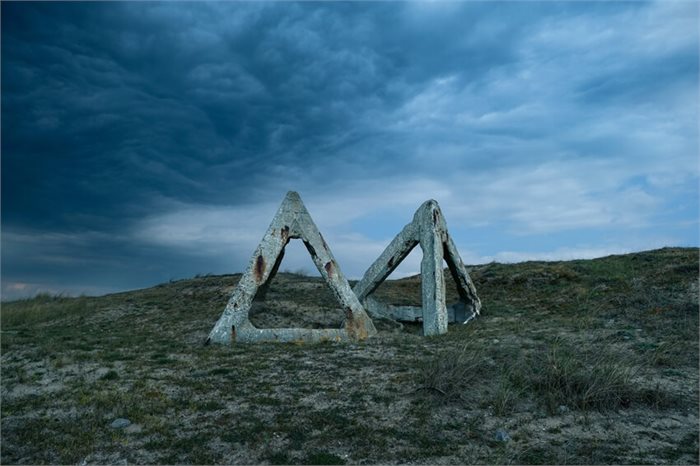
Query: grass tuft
column 111, row 375
column 453, row 376
column 564, row 375
column 322, row 457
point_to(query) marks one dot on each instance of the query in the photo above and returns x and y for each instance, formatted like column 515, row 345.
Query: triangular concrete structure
column 291, row 221
column 428, row 229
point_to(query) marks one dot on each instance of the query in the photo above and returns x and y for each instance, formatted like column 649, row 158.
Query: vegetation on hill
column 590, row 361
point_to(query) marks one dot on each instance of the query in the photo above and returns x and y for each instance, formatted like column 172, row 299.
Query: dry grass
column 565, row 375
column 42, row 308
column 613, row 340
column 454, row 375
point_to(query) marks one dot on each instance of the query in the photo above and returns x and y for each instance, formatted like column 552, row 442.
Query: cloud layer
column 146, row 141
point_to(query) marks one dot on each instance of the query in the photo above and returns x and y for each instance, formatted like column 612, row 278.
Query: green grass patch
column 322, row 457
column 43, row 308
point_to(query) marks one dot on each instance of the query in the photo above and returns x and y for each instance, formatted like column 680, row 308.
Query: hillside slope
column 591, row 361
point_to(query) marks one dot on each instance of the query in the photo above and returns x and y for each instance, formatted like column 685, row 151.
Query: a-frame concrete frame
column 291, row 221
column 428, row 229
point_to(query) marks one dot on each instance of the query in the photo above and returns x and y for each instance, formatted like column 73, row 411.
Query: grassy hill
column 590, row 361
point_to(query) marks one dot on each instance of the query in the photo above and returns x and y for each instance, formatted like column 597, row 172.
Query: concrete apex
column 293, row 195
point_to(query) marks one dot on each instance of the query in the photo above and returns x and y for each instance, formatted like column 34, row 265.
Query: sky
column 144, row 142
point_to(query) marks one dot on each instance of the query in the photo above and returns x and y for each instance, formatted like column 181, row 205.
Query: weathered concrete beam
column 429, row 229
column 388, row 311
column 465, row 287
column 292, row 220
column 399, row 248
column 456, row 313
column 432, row 279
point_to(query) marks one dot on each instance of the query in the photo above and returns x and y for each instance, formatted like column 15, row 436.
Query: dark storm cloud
column 109, row 106
column 130, row 129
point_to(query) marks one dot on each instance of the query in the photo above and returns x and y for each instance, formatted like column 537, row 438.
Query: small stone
column 563, row 409
column 120, row 423
column 502, row 436
column 133, row 429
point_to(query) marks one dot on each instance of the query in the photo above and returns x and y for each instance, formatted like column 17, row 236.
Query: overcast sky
column 143, row 142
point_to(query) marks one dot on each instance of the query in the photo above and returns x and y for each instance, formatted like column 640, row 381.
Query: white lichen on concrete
column 428, row 229
column 292, row 221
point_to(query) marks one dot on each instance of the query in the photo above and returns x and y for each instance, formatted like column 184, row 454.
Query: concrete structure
column 292, row 221
column 428, row 229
